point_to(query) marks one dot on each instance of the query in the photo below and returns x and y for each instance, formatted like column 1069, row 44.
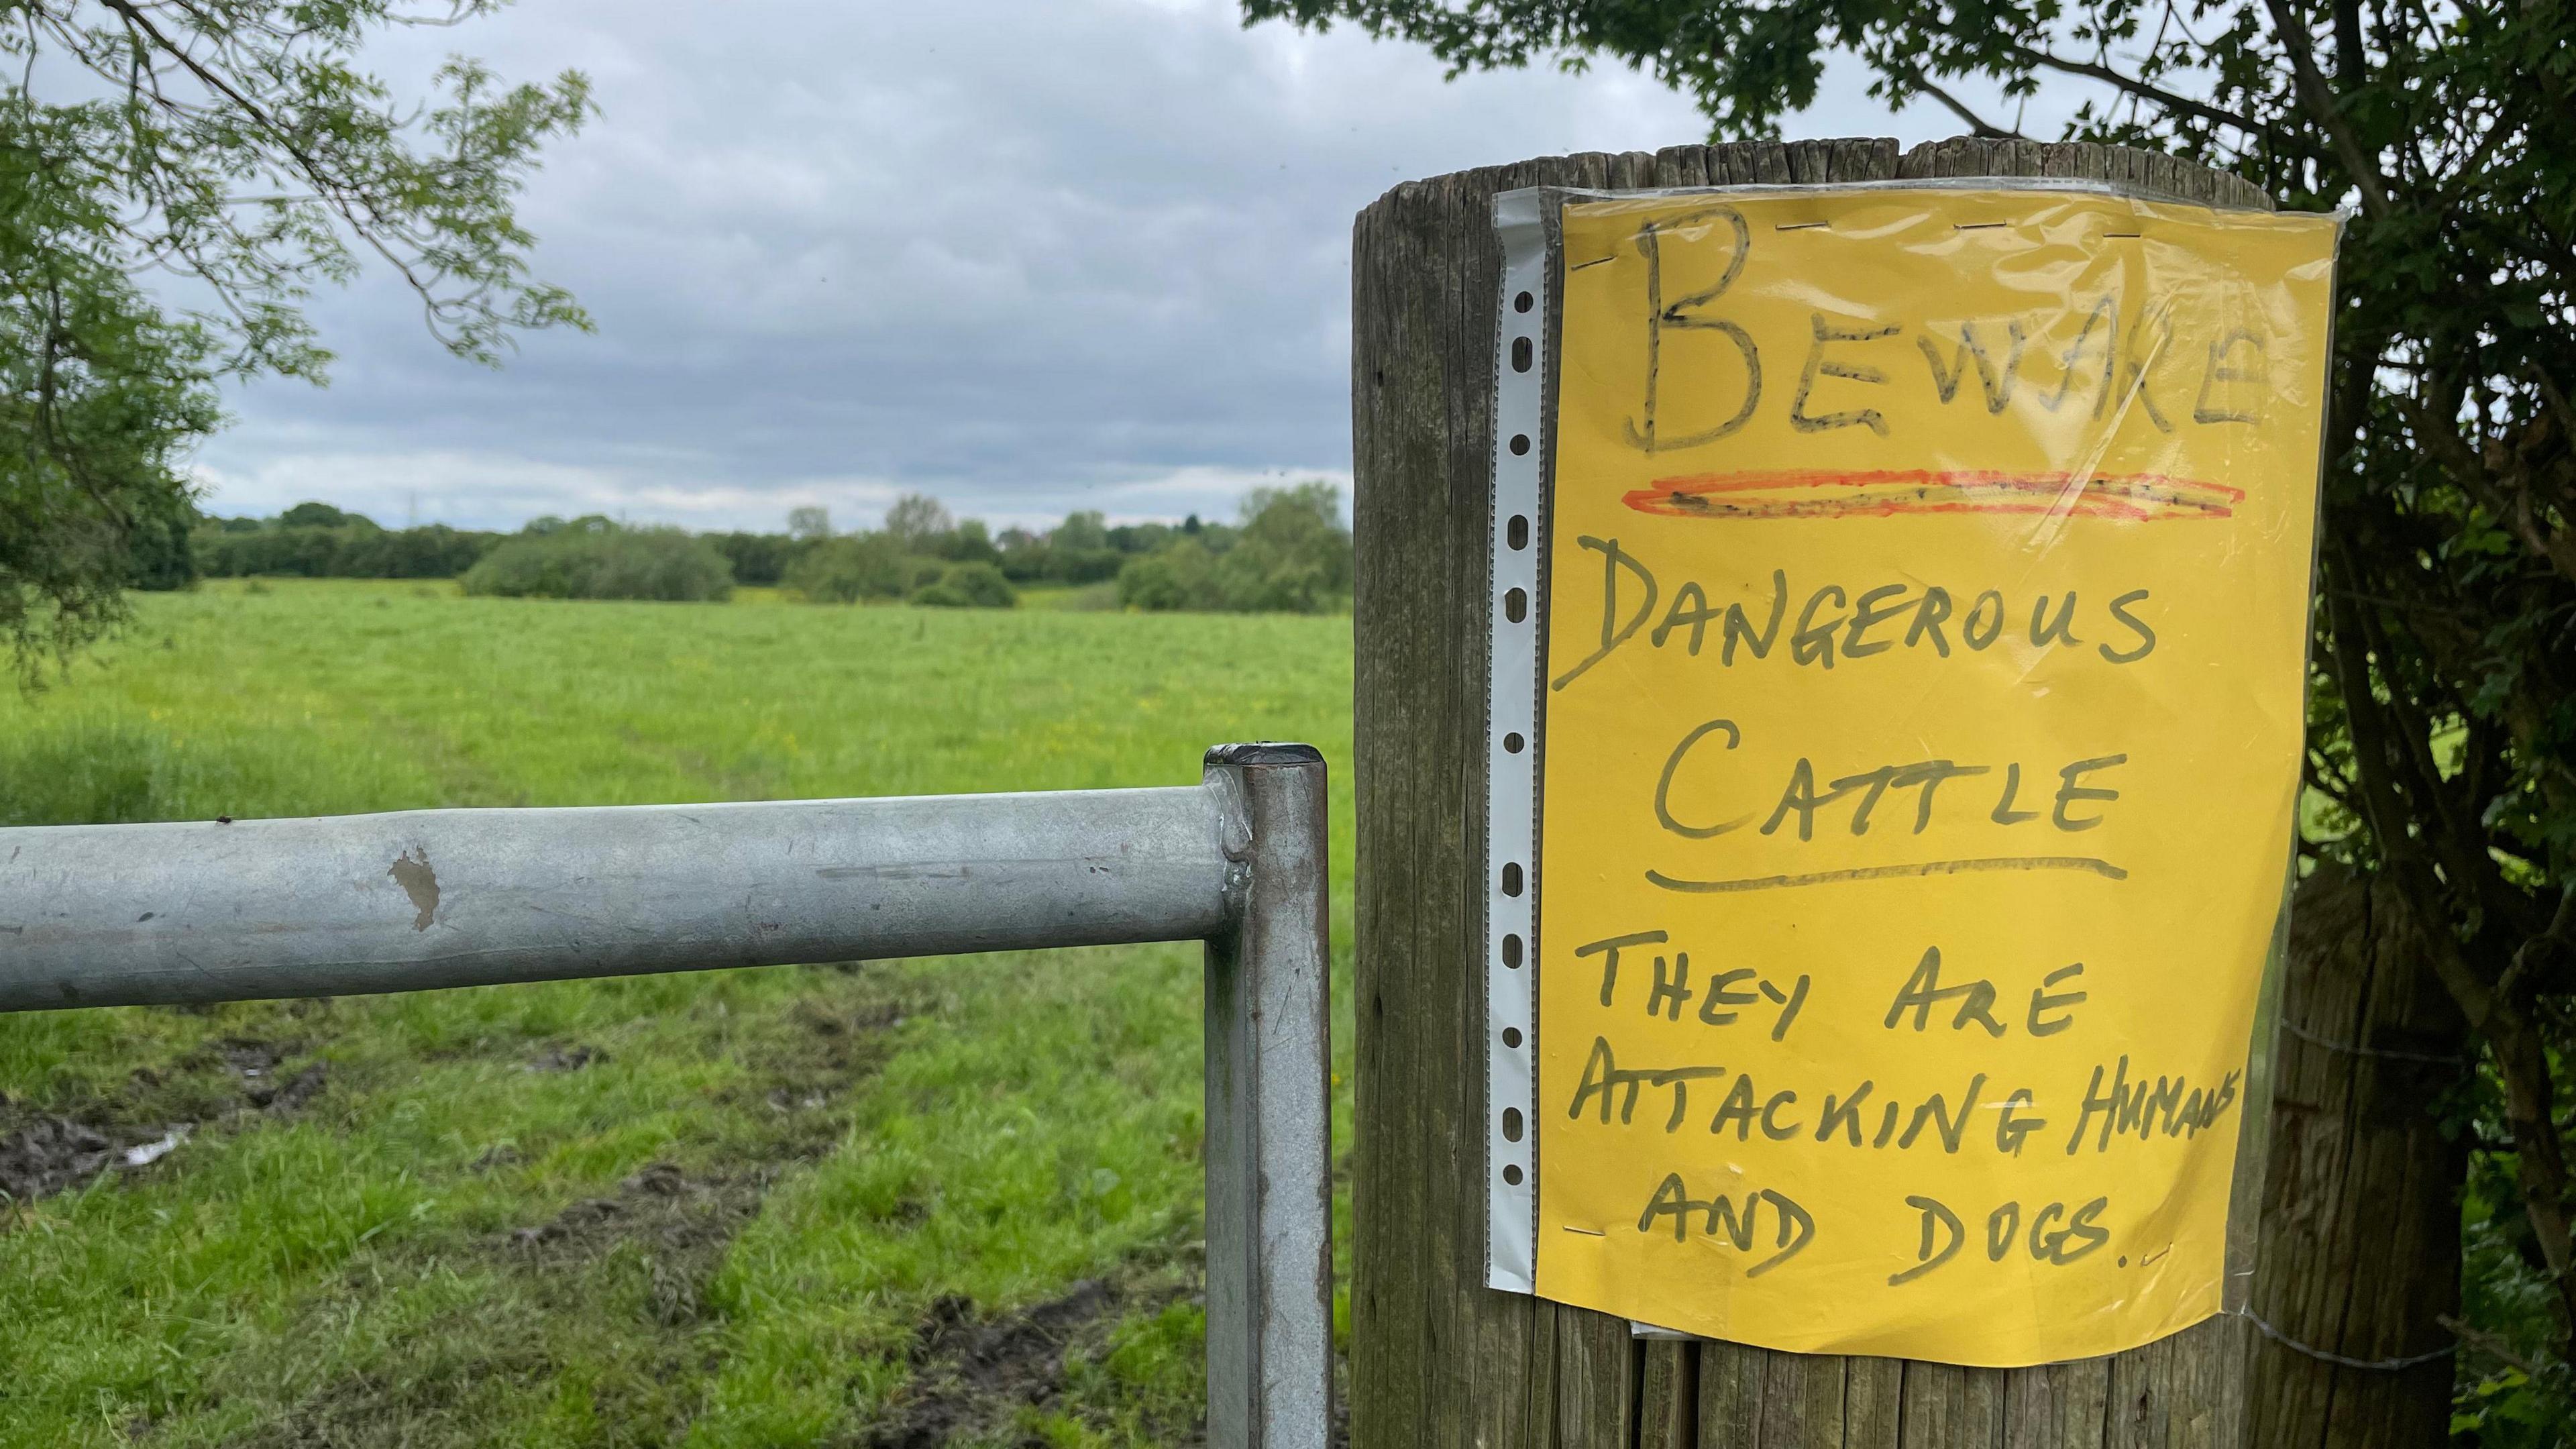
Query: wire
column 2369, row 1365
column 2358, row 1050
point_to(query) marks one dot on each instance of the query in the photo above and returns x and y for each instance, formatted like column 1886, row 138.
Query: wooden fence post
column 2360, row 1255
column 1436, row 1358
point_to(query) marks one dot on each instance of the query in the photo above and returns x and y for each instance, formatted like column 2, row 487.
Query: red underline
column 1881, row 493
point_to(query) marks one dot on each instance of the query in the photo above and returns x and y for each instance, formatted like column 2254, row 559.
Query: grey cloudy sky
column 1026, row 255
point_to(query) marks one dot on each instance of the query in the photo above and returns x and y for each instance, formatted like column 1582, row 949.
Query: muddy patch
column 368, row 1411
column 608, row 1294
column 56, row 1154
column 681, row 1218
column 677, row 1223
column 566, row 1059
column 267, row 1077
column 661, row 1203
column 51, row 1154
column 280, row 1096
column 267, row 1084
column 973, row 1376
column 48, row 1154
column 44, row 1153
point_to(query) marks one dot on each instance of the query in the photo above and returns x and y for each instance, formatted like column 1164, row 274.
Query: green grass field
column 891, row 1204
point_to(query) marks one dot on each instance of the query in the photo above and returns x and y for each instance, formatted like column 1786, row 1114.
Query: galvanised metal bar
column 1269, row 1112
column 126, row 915
column 130, row 915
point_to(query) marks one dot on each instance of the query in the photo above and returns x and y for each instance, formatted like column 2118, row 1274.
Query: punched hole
column 1516, row 605
column 1521, row 354
column 1524, row 302
column 1520, row 445
column 1512, row 1037
column 1517, row 531
column 1512, row 743
column 1512, row 952
column 1512, row 879
column 1511, row 1124
column 1512, row 1175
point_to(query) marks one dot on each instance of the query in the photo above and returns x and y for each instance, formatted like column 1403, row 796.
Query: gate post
column 1269, row 1108
column 1437, row 1359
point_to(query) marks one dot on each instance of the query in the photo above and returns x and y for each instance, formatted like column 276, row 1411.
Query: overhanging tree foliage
column 2443, row 725
column 176, row 176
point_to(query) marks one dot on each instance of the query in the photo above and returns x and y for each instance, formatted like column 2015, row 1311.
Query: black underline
column 1892, row 872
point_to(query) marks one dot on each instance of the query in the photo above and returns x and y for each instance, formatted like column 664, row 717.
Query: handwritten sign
column 1925, row 611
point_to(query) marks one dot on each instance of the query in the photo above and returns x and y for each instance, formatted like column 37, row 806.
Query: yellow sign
column 1927, row 599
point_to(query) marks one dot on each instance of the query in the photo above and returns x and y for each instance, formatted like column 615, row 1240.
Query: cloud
column 1028, row 255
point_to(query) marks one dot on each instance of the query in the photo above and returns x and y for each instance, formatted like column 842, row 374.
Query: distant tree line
column 595, row 557
column 318, row 541
column 1288, row 553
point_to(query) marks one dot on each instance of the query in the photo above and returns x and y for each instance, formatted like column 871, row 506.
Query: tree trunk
column 1436, row 1358
column 2361, row 1213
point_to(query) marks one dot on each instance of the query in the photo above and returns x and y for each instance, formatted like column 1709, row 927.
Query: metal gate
column 135, row 915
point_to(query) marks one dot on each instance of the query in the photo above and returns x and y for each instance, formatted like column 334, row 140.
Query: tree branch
column 2323, row 108
column 1976, row 123
column 2170, row 100
column 312, row 169
column 2521, row 1057
column 2452, row 453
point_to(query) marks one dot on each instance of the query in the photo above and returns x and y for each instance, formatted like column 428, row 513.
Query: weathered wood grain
column 1668, row 1397
column 2361, row 1222
column 1436, row 1358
